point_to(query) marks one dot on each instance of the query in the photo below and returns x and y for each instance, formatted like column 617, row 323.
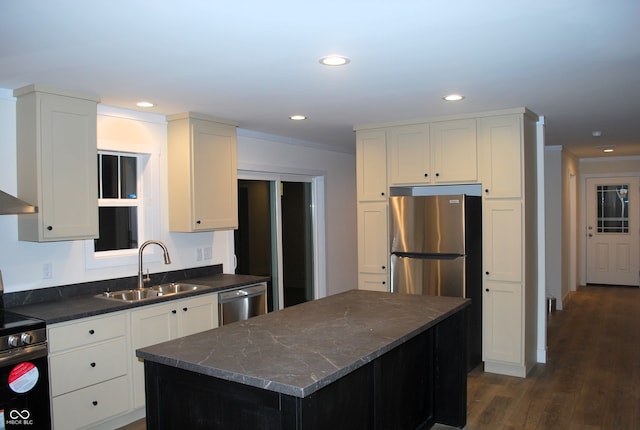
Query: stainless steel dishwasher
column 242, row 303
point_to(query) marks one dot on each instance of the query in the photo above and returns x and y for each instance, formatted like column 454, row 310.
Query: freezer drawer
column 429, row 276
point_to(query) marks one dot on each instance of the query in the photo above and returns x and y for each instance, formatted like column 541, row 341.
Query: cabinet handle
column 486, row 190
column 185, row 309
column 382, row 193
column 426, row 175
column 198, row 222
column 437, row 174
column 384, row 267
column 487, row 290
column 384, row 282
column 49, row 227
column 92, row 331
column 93, row 364
column 173, row 311
column 94, row 403
column 486, row 273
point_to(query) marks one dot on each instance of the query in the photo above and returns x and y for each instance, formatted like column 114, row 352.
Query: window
column 119, row 202
column 613, row 208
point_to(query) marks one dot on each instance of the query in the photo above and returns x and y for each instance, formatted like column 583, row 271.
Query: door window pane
column 613, row 208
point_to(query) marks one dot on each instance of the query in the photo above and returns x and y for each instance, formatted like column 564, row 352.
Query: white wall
column 21, row 262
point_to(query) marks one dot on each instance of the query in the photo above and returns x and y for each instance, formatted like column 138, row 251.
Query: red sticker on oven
column 23, row 377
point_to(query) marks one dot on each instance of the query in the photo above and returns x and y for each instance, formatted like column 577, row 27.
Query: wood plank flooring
column 591, row 380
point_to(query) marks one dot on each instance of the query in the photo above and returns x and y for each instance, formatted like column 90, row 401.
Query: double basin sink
column 148, row 293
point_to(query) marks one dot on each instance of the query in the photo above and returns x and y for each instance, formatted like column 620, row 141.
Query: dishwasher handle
column 241, row 293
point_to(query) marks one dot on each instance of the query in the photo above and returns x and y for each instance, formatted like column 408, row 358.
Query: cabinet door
column 150, row 325
column 197, row 314
column 372, row 238
column 57, row 167
column 454, row 154
column 500, row 143
column 502, row 316
column 215, row 176
column 502, row 233
column 371, row 165
column 408, row 151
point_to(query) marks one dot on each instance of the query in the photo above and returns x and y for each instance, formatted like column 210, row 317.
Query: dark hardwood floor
column 591, row 379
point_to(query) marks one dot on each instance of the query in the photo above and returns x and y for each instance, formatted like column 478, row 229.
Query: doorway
column 612, row 231
column 276, row 236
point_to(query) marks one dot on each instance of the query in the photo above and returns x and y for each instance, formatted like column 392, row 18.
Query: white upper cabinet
column 57, row 167
column 500, row 139
column 443, row 152
column 203, row 172
column 409, row 154
column 371, row 161
column 454, row 153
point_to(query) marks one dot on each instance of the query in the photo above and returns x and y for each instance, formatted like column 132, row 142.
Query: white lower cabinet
column 95, row 377
column 160, row 323
column 91, row 405
column 503, row 334
column 89, row 368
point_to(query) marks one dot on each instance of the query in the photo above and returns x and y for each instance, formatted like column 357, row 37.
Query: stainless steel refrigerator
column 436, row 249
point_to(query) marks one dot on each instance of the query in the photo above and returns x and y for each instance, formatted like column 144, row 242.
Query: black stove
column 18, row 331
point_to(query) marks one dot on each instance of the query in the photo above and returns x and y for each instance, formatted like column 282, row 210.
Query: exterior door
column 613, row 231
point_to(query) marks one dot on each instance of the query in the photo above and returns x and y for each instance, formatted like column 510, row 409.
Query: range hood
column 10, row 205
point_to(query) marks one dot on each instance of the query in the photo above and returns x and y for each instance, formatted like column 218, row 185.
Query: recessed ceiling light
column 607, row 150
column 335, row 60
column 596, row 133
column 145, row 104
column 453, row 97
column 298, row 117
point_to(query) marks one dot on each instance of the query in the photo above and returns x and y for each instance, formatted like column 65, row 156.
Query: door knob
column 590, row 235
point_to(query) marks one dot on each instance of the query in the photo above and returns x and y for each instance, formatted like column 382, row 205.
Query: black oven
column 24, row 373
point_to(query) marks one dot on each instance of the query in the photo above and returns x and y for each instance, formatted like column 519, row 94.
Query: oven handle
column 19, row 355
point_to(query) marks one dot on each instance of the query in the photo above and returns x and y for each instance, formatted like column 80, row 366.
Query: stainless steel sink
column 175, row 288
column 149, row 293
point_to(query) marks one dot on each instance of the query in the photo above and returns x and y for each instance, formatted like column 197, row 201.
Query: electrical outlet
column 47, row 271
column 208, row 253
column 198, row 254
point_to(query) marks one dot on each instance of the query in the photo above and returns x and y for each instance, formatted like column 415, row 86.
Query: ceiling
column 577, row 63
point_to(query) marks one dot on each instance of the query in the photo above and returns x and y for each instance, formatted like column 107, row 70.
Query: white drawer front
column 85, row 332
column 91, row 405
column 87, row 366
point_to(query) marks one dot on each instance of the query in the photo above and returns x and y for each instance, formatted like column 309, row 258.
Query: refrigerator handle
column 392, row 267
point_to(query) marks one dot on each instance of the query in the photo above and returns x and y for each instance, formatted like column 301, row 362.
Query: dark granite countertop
column 86, row 305
column 300, row 349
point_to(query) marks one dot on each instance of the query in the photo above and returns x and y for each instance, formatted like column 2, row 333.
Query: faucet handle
column 147, row 278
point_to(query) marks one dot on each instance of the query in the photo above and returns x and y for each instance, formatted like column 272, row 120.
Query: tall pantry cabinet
column 495, row 150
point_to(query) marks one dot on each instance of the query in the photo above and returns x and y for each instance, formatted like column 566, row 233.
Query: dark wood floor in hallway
column 591, row 379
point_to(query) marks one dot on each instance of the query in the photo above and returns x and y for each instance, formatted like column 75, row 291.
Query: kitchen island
column 355, row 360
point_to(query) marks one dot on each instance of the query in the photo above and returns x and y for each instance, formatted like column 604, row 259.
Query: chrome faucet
column 167, row 259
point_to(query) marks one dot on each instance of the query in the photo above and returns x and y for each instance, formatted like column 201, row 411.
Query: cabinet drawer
column 87, row 366
column 85, row 332
column 91, row 405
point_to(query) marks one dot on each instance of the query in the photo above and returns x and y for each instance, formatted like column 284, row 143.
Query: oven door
column 24, row 388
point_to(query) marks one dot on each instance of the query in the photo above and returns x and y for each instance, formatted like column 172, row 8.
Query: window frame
column 123, row 202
